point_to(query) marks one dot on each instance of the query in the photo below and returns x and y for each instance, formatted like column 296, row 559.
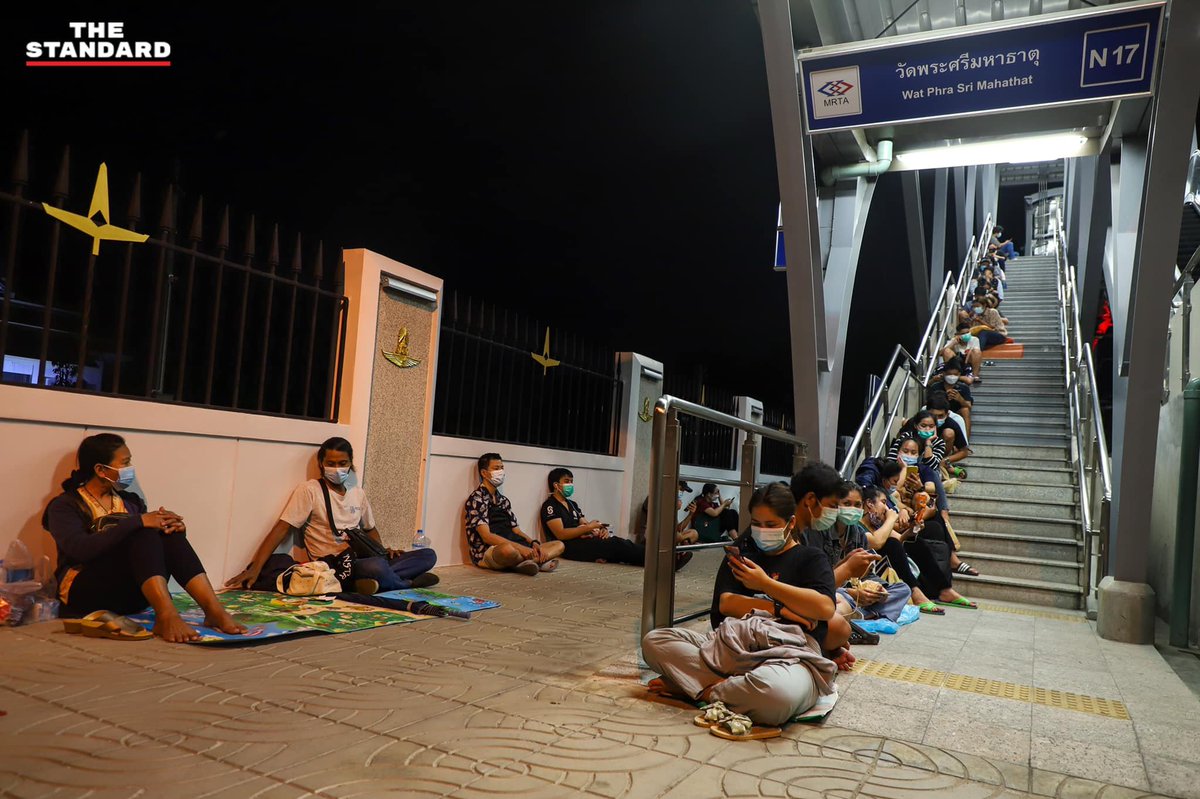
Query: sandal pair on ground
column 724, row 723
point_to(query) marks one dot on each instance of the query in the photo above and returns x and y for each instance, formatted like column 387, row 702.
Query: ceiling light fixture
column 1023, row 149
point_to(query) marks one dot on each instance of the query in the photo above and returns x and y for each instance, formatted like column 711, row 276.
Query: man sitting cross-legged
column 493, row 534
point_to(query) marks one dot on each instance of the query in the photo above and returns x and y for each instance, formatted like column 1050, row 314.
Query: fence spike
column 197, row 217
column 273, row 253
column 62, row 183
column 223, row 235
column 249, row 248
column 296, row 259
column 21, row 162
column 134, row 214
column 166, row 222
column 319, row 269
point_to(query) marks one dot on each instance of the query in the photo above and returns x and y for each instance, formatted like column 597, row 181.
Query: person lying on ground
column 583, row 539
column 114, row 554
column 306, row 518
column 494, row 536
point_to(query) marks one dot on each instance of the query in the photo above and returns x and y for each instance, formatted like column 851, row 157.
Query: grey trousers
column 769, row 694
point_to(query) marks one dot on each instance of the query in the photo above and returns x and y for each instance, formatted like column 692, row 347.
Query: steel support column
column 968, row 202
column 915, row 223
column 851, row 201
column 1142, row 344
column 797, row 181
column 1094, row 217
column 937, row 257
column 960, row 213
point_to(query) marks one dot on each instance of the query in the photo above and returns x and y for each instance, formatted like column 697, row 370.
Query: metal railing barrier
column 1089, row 446
column 658, row 591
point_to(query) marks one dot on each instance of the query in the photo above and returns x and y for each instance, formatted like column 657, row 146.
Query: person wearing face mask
column 881, row 521
column 115, row 555
column 965, row 347
column 849, row 545
column 306, row 518
column 582, row 538
column 773, row 580
column 955, row 379
column 949, row 430
column 684, row 532
column 494, row 537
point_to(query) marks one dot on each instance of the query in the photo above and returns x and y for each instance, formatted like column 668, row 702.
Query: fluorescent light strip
column 1020, row 150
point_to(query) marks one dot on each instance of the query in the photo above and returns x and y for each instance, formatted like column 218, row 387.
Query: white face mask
column 496, row 477
column 950, row 379
column 338, row 475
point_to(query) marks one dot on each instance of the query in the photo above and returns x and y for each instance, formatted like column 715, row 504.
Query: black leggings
column 114, row 580
column 932, row 580
column 609, row 550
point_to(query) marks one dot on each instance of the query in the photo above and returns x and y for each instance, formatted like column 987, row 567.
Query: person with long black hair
column 307, row 513
column 116, row 555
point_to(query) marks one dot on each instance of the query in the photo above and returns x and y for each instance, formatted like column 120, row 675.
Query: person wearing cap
column 684, row 533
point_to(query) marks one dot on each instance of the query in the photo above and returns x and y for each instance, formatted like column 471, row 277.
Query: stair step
column 1023, row 568
column 1020, row 381
column 1017, row 524
column 1042, row 509
column 1013, row 589
column 1019, row 426
column 1013, row 439
column 990, row 470
column 1031, row 454
column 1017, row 490
column 1027, row 546
column 1003, row 403
column 984, row 412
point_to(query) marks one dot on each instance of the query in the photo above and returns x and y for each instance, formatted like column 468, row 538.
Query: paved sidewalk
column 541, row 698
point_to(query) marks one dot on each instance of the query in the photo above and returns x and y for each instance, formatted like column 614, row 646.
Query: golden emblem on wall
column 645, row 415
column 400, row 355
column 99, row 206
column 544, row 359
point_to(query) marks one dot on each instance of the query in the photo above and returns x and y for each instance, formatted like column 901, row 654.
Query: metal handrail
column 926, row 359
column 1090, row 446
column 658, row 588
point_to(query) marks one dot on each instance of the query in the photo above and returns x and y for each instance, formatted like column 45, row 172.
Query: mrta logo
column 835, row 92
column 97, row 44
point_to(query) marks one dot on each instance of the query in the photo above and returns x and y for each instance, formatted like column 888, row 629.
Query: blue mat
column 466, row 604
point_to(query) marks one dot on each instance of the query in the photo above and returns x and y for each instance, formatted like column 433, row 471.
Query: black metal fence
column 183, row 317
column 703, row 443
column 777, row 457
column 490, row 387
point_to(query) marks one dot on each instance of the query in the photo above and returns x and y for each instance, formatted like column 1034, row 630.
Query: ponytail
column 93, row 450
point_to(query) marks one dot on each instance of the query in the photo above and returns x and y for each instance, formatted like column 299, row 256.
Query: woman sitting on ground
column 773, row 579
column 115, row 555
column 862, row 585
column 583, row 539
column 715, row 520
column 307, row 513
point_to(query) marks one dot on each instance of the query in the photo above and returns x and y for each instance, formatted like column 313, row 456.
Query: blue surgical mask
column 827, row 519
column 925, row 433
column 337, row 474
column 966, row 338
column 977, row 309
column 770, row 539
column 910, row 460
column 850, row 515
column 941, row 422
column 568, row 490
column 681, row 496
column 125, row 477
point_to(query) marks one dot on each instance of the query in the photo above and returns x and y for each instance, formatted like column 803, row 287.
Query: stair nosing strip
column 1040, row 539
column 1058, row 564
column 1018, row 582
column 1009, row 517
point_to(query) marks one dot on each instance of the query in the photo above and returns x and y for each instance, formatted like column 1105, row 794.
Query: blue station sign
column 1056, row 59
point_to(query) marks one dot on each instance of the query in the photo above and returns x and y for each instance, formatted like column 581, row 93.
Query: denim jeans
column 397, row 573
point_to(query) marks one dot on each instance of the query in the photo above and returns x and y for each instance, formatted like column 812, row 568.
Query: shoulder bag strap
column 329, row 510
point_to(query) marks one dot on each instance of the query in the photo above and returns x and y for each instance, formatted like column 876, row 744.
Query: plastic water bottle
column 18, row 563
column 420, row 540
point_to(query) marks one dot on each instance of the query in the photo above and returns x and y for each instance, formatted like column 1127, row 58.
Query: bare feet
column 844, row 660
column 224, row 622
column 173, row 629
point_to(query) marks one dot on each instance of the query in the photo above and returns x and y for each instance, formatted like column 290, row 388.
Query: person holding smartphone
column 715, row 519
column 582, row 539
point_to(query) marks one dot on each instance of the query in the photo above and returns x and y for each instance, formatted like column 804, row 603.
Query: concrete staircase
column 1017, row 514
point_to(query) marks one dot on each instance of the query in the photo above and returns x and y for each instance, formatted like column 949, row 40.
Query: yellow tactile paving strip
column 1109, row 708
column 1037, row 614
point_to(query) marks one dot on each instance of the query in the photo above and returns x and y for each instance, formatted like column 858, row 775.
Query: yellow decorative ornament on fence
column 544, row 359
column 645, row 415
column 104, row 230
column 400, row 356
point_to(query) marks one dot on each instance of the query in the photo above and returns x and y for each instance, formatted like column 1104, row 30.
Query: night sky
column 606, row 166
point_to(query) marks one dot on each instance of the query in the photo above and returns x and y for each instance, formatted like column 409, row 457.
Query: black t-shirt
column 801, row 566
column 570, row 515
column 500, row 522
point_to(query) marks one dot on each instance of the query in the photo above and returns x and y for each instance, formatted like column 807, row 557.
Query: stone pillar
column 641, row 386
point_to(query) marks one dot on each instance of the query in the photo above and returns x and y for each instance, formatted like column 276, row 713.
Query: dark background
column 608, row 166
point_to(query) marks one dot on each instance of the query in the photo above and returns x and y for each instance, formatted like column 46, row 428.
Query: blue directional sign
column 1055, row 59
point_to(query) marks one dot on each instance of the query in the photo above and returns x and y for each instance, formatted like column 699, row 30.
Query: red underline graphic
column 97, row 63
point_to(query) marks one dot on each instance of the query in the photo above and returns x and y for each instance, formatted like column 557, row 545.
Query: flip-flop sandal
column 931, row 608
column 548, row 566
column 117, row 628
column 741, row 728
column 859, row 636
column 961, row 602
column 714, row 713
column 75, row 626
column 967, row 569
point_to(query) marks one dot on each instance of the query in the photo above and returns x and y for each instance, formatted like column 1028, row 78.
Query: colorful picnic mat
column 270, row 615
column 466, row 604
